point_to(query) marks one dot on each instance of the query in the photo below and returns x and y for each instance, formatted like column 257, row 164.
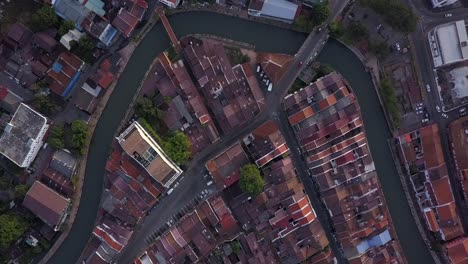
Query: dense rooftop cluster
column 277, row 225
column 326, row 120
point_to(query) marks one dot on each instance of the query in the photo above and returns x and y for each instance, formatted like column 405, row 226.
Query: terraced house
column 422, row 152
column 327, row 123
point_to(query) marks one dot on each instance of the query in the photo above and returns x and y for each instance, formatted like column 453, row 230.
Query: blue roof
column 57, row 67
column 381, row 239
column 108, row 34
column 71, row 84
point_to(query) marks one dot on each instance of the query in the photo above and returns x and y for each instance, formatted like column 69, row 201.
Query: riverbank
column 126, row 54
column 268, row 39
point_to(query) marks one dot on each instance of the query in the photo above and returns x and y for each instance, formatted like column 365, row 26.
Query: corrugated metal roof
column 280, row 9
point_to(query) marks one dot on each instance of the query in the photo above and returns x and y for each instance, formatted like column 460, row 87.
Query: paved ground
column 193, row 182
column 424, row 60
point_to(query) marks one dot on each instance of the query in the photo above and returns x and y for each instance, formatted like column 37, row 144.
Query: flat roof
column 448, row 43
column 453, row 41
column 140, row 145
column 22, row 135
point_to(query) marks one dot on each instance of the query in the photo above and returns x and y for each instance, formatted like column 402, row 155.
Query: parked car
column 397, row 46
column 462, row 110
column 444, row 115
column 425, row 120
column 428, row 88
column 438, row 109
column 448, row 15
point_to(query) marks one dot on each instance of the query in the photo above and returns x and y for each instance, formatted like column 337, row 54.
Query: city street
column 425, row 66
column 193, row 183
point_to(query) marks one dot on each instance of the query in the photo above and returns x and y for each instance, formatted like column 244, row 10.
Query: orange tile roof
column 431, row 220
column 457, row 251
column 442, row 190
column 301, row 115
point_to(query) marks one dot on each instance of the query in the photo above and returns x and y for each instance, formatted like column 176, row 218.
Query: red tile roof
column 457, row 250
column 46, row 203
column 70, row 64
column 431, row 220
column 125, row 22
column 442, row 190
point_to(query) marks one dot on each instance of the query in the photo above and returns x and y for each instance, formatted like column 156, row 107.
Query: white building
column 22, row 137
column 274, row 9
column 449, row 43
column 140, row 145
column 170, row 3
column 442, row 3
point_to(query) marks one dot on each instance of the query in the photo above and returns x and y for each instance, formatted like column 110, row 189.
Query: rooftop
column 63, row 162
column 266, row 143
column 451, row 42
column 65, row 73
column 46, row 204
column 139, row 144
column 225, row 168
column 22, row 137
column 125, row 22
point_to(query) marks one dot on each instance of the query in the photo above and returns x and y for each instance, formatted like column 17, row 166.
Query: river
column 265, row 38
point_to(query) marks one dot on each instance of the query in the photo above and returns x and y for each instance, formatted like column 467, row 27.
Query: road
column 193, row 183
column 424, row 61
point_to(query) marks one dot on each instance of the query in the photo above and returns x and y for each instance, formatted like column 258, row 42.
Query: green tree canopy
column 144, row 108
column 391, row 102
column 356, row 31
column 177, row 147
column 380, row 49
column 57, row 137
column 395, row 13
column 79, row 135
column 250, row 179
column 43, row 104
column 20, row 191
column 336, row 29
column 11, row 228
column 44, row 18
column 84, row 49
column 65, row 27
column 320, row 13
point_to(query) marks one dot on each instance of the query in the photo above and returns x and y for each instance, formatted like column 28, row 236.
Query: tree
column 11, row 228
column 65, row 27
column 43, row 104
column 84, row 49
column 250, row 179
column 235, row 247
column 320, row 13
column 177, row 147
column 144, row 107
column 303, row 23
column 380, row 49
column 79, row 135
column 20, row 191
column 44, row 18
column 336, row 29
column 391, row 102
column 57, row 137
column 395, row 13
column 356, row 31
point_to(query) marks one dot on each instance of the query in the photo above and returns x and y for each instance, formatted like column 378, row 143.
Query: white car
column 448, row 15
column 438, row 109
column 444, row 115
column 428, row 87
column 397, row 46
column 462, row 110
column 425, row 120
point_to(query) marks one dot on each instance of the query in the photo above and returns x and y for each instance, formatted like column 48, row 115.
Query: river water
column 265, row 38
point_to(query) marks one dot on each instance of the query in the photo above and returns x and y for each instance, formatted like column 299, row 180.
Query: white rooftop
column 279, row 9
column 452, row 43
column 459, row 79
